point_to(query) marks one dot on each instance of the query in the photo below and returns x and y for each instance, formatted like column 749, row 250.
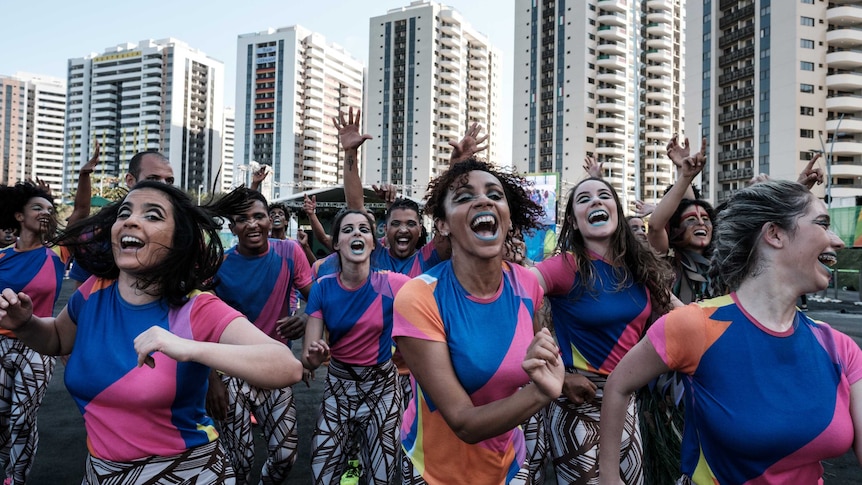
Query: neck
column 28, row 240
column 480, row 277
column 354, row 275
column 131, row 293
column 600, row 247
column 280, row 233
column 769, row 300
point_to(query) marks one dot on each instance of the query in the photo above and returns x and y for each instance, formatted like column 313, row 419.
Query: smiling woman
column 773, row 244
column 466, row 329
column 151, row 254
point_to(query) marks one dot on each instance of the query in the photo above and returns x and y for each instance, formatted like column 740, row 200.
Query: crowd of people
column 449, row 358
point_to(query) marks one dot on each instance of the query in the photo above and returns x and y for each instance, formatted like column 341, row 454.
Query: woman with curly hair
column 142, row 337
column 480, row 367
column 31, row 266
column 604, row 287
column 769, row 392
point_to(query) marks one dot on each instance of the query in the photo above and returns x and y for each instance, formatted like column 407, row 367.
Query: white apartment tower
column 227, row 171
column 599, row 77
column 780, row 82
column 289, row 85
column 154, row 95
column 430, row 76
column 32, row 123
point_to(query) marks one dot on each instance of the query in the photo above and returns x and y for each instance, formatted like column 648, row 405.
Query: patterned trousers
column 202, row 465
column 360, row 417
column 573, row 436
column 276, row 413
column 24, row 378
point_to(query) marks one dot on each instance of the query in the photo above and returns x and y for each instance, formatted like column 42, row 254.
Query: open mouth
column 598, row 217
column 357, row 246
column 127, row 242
column 484, row 225
column 700, row 233
column 828, row 260
column 253, row 235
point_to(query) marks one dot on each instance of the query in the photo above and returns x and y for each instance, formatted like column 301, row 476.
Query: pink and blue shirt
column 359, row 320
column 132, row 412
column 595, row 328
column 382, row 259
column 762, row 407
column 36, row 272
column 487, row 341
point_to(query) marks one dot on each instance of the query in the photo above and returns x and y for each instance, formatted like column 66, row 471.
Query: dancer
column 604, row 287
column 638, row 227
column 773, row 244
column 361, row 410
column 27, row 265
column 259, row 277
column 466, row 331
column 148, row 253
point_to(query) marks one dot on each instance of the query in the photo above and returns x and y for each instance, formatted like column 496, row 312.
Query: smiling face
column 402, row 232
column 252, row 229
column 595, row 213
column 7, row 237
column 278, row 217
column 144, row 230
column 477, row 215
column 153, row 168
column 355, row 238
column 696, row 228
column 814, row 247
column 638, row 228
column 37, row 216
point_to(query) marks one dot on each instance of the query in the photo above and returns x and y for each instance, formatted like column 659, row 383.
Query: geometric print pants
column 360, row 418
column 275, row 411
column 573, row 435
column 24, row 378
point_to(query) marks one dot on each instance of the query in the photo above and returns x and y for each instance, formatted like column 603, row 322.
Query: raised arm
column 593, row 167
column 309, row 205
column 688, row 167
column 469, row 145
column 81, row 209
column 350, row 141
column 49, row 336
column 431, row 365
column 811, row 175
column 258, row 176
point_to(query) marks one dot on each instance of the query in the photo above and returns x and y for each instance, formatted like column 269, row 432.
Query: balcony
column 736, row 74
column 735, row 95
column 613, row 5
column 738, row 15
column 659, row 17
column 844, row 16
column 612, row 18
column 848, row 125
column 844, row 104
column 844, row 81
column 609, row 32
column 738, row 154
column 611, row 62
column 659, row 55
column 611, row 48
column 743, row 53
column 844, row 37
column 611, row 92
column 659, row 29
column 659, row 43
column 659, row 5
column 611, row 136
column 613, row 78
column 736, row 114
column 611, row 105
column 735, row 174
column 733, row 135
column 659, row 95
column 659, row 82
column 735, row 36
column 848, row 59
column 658, row 122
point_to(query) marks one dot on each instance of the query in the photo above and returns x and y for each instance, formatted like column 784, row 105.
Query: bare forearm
column 268, row 366
column 81, row 209
column 614, row 408
column 353, row 193
column 493, row 419
column 41, row 335
column 319, row 232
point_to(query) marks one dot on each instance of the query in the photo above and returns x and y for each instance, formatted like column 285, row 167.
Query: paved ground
column 62, row 448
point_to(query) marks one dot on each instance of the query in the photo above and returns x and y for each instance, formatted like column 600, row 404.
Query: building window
column 806, row 66
column 806, row 133
column 806, row 88
column 808, row 2
column 806, row 43
column 806, row 111
column 806, row 156
column 806, row 21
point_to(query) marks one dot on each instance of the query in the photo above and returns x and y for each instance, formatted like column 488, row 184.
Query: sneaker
column 351, row 476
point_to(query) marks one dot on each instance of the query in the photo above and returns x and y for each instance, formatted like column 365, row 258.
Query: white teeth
column 482, row 220
column 598, row 215
column 828, row 259
column 700, row 233
column 126, row 241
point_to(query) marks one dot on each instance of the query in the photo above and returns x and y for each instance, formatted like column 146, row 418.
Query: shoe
column 351, row 476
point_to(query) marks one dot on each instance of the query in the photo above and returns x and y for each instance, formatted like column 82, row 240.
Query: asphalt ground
column 62, row 447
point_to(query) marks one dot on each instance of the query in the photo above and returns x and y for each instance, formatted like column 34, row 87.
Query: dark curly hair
column 14, row 198
column 633, row 262
column 525, row 213
column 278, row 205
column 195, row 254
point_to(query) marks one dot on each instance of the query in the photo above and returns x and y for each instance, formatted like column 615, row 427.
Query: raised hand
column 469, row 145
column 348, row 130
column 309, row 205
column 643, row 209
column 544, row 365
column 90, row 166
column 811, row 175
column 259, row 175
column 593, row 167
column 387, row 192
column 16, row 309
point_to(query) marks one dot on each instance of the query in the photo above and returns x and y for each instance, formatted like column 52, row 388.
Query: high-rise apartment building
column 154, row 95
column 780, row 82
column 227, row 171
column 289, row 85
column 599, row 77
column 32, row 123
column 430, row 76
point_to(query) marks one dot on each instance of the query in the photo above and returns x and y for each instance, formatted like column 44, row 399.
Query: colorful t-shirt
column 131, row 412
column 359, row 321
column 487, row 341
column 261, row 286
column 37, row 272
column 595, row 329
column 381, row 259
column 761, row 407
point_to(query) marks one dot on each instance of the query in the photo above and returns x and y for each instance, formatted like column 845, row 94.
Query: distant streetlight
column 835, row 135
column 200, row 191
